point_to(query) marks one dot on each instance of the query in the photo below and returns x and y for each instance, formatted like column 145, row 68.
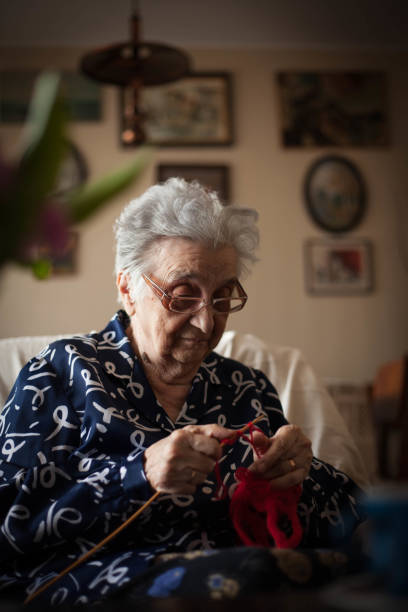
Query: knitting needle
column 93, row 550
column 115, row 532
column 239, row 432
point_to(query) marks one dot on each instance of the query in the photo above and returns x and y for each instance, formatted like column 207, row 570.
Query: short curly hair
column 181, row 209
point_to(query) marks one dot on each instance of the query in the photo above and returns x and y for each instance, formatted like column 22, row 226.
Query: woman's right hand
column 183, row 460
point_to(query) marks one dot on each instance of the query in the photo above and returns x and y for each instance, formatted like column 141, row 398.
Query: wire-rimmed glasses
column 191, row 305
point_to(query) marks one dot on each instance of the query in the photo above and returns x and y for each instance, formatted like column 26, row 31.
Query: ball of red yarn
column 259, row 512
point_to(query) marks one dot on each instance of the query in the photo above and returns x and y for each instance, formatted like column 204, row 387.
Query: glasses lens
column 188, row 305
column 229, row 304
column 184, row 304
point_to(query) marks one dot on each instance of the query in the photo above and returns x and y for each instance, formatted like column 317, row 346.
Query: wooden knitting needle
column 115, row 532
column 239, row 432
column 93, row 550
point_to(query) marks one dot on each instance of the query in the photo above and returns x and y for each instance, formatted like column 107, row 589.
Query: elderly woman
column 96, row 424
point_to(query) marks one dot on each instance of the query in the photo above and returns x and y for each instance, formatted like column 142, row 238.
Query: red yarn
column 257, row 511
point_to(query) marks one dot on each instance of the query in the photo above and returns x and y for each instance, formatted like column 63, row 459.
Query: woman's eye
column 223, row 292
column 183, row 291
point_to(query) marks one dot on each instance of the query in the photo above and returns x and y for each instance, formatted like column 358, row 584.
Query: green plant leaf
column 41, row 268
column 36, row 173
column 86, row 200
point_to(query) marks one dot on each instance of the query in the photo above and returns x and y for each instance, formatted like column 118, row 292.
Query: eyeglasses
column 190, row 305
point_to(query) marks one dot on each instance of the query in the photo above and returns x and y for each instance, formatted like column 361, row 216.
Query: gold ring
column 193, row 474
column 292, row 464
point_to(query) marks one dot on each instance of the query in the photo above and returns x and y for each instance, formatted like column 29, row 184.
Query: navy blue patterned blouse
column 72, row 436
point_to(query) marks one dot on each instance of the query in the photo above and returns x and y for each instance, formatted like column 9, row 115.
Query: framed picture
column 342, row 267
column 335, row 194
column 345, row 109
column 81, row 95
column 194, row 111
column 211, row 176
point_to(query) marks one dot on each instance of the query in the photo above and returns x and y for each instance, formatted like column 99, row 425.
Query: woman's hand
column 285, row 458
column 183, row 460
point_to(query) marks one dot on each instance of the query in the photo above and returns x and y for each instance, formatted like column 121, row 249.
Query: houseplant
column 31, row 215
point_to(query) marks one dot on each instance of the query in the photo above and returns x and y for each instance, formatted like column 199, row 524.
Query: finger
column 279, row 469
column 195, row 451
column 302, row 447
column 181, row 482
column 212, row 430
column 178, row 488
column 195, row 455
column 260, row 442
column 268, row 470
column 209, row 447
column 194, row 476
column 185, row 482
column 284, row 444
column 269, row 464
column 292, row 479
column 165, row 462
column 284, row 441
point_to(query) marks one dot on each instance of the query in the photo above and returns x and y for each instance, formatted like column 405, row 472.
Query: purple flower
column 51, row 234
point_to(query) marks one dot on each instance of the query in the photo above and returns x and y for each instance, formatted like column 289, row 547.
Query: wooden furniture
column 390, row 414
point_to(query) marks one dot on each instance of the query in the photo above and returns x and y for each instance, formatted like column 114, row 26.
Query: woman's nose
column 204, row 319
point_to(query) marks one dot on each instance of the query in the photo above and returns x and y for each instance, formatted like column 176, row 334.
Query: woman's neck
column 170, row 397
column 170, row 389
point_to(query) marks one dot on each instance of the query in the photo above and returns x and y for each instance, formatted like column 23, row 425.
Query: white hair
column 181, row 209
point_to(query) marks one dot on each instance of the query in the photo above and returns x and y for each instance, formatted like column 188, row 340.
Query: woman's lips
column 193, row 341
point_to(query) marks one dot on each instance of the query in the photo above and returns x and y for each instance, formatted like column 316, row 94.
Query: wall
column 343, row 337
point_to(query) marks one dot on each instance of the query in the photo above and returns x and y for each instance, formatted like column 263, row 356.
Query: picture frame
column 336, row 108
column 82, row 96
column 338, row 267
column 335, row 193
column 193, row 111
column 213, row 176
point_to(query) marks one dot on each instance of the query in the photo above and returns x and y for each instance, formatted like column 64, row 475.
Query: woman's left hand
column 285, row 459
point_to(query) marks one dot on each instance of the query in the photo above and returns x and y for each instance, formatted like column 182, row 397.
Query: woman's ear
column 123, row 285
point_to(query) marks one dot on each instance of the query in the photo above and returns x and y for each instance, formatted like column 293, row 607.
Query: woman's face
column 173, row 344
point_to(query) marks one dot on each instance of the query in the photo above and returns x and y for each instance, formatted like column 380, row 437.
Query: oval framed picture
column 335, row 194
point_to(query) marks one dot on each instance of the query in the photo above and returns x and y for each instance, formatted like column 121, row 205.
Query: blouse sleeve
column 49, row 491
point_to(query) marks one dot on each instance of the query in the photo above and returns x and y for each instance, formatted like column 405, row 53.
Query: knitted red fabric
column 257, row 511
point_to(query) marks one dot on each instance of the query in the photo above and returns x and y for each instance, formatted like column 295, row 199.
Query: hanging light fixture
column 133, row 65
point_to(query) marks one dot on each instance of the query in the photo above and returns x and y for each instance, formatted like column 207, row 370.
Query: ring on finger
column 292, row 464
column 193, row 475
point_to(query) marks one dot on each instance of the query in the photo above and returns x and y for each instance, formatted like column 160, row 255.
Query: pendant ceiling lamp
column 135, row 64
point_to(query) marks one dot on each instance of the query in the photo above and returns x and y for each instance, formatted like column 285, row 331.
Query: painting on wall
column 342, row 267
column 335, row 193
column 215, row 177
column 81, row 95
column 345, row 109
column 194, row 111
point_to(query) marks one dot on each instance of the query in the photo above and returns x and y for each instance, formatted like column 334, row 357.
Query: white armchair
column 305, row 400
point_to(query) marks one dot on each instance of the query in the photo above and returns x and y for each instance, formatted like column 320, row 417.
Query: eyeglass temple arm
column 158, row 290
